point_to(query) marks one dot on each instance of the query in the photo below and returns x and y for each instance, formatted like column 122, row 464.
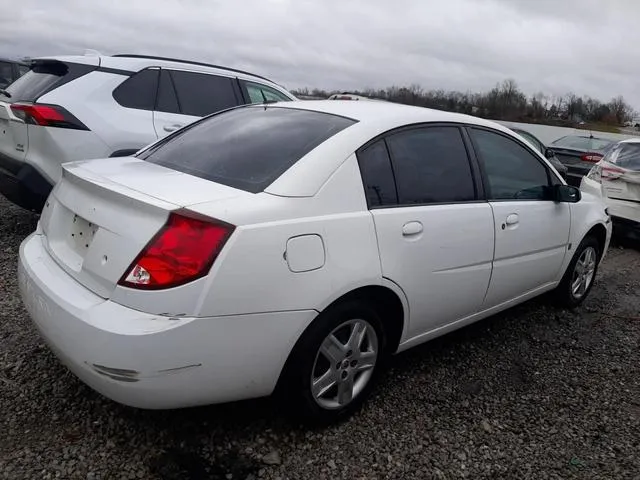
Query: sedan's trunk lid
column 103, row 212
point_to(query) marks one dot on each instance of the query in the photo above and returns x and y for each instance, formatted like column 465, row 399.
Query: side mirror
column 566, row 194
column 549, row 153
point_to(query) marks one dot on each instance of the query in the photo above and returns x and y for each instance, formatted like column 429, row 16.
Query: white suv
column 83, row 107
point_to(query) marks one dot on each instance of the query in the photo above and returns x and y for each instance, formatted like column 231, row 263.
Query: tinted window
column 167, row 100
column 43, row 77
column 248, row 147
column 6, row 74
column 531, row 139
column 513, row 172
column 431, row 166
column 259, row 93
column 22, row 69
column 138, row 91
column 200, row 94
column 377, row 175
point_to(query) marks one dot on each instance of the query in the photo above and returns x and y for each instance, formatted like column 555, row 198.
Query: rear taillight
column 46, row 116
column 591, row 157
column 611, row 172
column 182, row 251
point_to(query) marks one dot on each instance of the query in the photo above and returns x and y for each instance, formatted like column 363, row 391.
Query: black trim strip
column 115, row 71
column 625, row 200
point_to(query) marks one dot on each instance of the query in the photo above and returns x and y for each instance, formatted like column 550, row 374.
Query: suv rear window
column 246, row 148
column 43, row 77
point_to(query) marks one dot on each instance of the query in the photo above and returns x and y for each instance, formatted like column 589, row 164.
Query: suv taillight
column 46, row 116
column 182, row 251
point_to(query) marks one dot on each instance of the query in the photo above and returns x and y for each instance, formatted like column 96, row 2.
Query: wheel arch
column 598, row 231
column 387, row 298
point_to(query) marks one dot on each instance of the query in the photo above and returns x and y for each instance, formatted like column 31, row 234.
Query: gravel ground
column 532, row 393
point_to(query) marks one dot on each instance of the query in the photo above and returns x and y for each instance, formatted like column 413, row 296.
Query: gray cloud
column 585, row 46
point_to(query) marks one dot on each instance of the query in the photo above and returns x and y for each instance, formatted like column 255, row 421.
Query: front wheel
column 335, row 364
column 580, row 275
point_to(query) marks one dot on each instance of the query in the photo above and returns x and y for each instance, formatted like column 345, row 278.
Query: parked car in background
column 579, row 153
column 84, row 107
column 547, row 152
column 348, row 96
column 10, row 71
column 290, row 247
column 617, row 177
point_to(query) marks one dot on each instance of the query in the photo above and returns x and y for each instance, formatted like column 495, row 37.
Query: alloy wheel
column 583, row 272
column 344, row 364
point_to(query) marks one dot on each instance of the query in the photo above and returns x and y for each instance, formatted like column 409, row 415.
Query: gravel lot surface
column 533, row 393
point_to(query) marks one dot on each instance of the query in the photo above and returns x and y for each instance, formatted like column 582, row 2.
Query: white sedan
column 289, row 248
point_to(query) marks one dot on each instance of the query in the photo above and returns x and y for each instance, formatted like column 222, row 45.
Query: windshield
column 582, row 143
column 246, row 148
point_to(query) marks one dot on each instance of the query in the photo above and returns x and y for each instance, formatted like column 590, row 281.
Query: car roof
column 135, row 63
column 391, row 113
column 308, row 175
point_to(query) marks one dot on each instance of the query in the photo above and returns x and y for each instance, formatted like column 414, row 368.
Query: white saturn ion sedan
column 291, row 247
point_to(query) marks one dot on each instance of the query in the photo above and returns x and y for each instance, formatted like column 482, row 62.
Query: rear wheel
column 335, row 364
column 580, row 275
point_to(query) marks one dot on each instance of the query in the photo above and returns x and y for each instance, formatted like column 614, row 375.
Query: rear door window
column 200, row 94
column 167, row 99
column 138, row 91
column 431, row 165
column 45, row 76
column 246, row 148
column 377, row 175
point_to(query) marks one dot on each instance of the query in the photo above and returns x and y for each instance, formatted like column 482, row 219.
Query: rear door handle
column 172, row 128
column 412, row 228
column 512, row 219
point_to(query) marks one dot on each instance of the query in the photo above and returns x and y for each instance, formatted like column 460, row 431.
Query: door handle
column 411, row 228
column 512, row 219
column 172, row 128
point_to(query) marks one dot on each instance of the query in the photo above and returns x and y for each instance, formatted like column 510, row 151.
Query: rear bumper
column 22, row 184
column 623, row 211
column 152, row 361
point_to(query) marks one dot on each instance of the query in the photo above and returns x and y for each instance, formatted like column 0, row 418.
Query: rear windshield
column 582, row 143
column 43, row 77
column 246, row 148
column 625, row 155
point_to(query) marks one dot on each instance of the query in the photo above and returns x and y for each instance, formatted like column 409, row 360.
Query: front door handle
column 512, row 219
column 411, row 228
column 172, row 128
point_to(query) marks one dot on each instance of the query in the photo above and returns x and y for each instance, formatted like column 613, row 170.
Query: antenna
column 88, row 52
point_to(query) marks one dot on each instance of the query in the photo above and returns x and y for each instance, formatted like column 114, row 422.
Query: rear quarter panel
column 586, row 214
column 252, row 274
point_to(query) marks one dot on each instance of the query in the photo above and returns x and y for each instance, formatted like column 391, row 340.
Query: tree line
column 503, row 102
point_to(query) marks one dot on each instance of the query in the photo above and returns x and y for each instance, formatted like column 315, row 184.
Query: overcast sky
column 590, row 47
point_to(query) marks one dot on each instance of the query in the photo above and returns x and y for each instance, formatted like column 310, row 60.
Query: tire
column 584, row 263
column 350, row 368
